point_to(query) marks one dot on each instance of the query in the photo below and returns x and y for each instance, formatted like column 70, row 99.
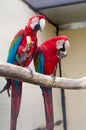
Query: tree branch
column 23, row 74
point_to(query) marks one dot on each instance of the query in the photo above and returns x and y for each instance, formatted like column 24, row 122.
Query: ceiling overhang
column 43, row 4
column 63, row 13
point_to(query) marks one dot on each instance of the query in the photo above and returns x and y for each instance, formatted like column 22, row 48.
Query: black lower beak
column 62, row 55
column 37, row 26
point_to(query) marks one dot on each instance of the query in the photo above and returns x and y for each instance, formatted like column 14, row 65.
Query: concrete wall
column 14, row 16
column 74, row 66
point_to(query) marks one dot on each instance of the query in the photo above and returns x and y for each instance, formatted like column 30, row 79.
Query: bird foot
column 7, row 87
column 53, row 77
column 31, row 72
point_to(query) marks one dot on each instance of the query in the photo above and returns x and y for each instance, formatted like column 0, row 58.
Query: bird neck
column 29, row 30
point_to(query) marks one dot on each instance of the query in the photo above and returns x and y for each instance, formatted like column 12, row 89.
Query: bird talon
column 53, row 77
column 31, row 72
column 6, row 87
column 8, row 92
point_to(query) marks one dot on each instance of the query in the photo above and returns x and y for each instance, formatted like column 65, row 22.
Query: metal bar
column 63, row 101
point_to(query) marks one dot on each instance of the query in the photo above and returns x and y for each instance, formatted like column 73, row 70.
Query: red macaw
column 47, row 57
column 21, row 53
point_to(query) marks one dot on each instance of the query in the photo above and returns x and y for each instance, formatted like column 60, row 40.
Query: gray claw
column 7, row 87
column 53, row 77
column 31, row 72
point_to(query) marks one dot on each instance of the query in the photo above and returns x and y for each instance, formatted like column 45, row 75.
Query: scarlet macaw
column 47, row 57
column 21, row 53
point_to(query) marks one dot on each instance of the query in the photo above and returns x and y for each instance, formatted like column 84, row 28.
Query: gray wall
column 74, row 66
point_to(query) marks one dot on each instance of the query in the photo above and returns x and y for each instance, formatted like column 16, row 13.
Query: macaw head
column 36, row 22
column 62, row 45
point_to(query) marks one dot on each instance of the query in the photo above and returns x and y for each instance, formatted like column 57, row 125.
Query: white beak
column 42, row 23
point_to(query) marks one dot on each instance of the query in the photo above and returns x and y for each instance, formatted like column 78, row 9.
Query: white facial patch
column 34, row 21
column 59, row 44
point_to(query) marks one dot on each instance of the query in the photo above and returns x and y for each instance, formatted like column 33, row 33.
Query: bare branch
column 23, row 74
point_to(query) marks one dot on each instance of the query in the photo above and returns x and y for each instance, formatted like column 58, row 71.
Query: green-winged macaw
column 47, row 57
column 21, row 53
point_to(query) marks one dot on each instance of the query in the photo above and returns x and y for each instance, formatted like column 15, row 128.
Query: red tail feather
column 48, row 104
column 15, row 104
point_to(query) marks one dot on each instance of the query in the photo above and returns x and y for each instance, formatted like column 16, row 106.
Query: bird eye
column 34, row 19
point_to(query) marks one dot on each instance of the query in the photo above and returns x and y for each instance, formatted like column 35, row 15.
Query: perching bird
column 21, row 53
column 47, row 57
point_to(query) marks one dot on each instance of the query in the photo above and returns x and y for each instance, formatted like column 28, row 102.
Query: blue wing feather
column 12, row 54
column 39, row 63
column 14, row 46
column 39, row 67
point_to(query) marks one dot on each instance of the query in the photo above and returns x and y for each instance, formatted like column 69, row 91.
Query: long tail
column 48, row 104
column 16, row 93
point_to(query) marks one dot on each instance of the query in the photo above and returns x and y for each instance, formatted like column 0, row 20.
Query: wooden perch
column 23, row 74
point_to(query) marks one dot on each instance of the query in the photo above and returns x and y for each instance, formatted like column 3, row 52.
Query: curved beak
column 40, row 25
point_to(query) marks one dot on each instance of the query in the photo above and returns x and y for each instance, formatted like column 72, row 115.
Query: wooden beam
column 23, row 74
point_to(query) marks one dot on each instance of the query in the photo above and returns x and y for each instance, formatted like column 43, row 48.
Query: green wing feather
column 39, row 63
column 14, row 46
